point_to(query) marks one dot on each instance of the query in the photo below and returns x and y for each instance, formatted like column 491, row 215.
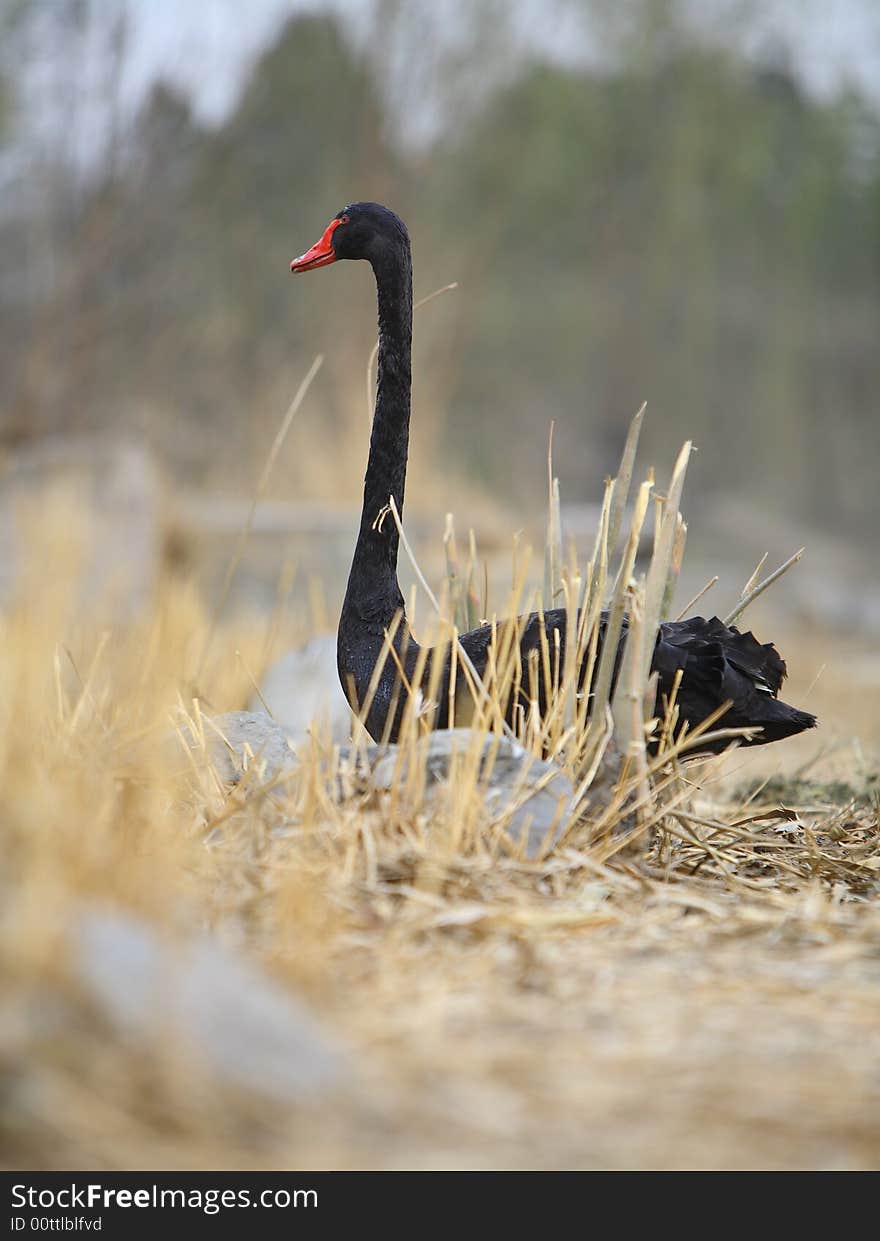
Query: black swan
column 718, row 664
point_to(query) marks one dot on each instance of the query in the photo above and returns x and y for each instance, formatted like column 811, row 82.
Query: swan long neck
column 373, row 588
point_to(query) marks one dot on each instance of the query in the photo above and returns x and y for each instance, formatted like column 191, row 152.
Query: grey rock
column 239, row 738
column 534, row 796
column 302, row 691
column 241, row 1026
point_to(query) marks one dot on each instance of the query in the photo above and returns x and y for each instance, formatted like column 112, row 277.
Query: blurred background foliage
column 674, row 223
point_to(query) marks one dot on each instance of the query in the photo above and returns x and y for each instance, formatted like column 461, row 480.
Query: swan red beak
column 321, row 253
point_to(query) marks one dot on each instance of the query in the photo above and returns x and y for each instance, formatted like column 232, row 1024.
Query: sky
column 831, row 40
column 208, row 46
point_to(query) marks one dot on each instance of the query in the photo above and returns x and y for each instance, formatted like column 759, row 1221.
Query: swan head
column 358, row 231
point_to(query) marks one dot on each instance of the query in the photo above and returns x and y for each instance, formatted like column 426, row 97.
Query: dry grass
column 689, row 980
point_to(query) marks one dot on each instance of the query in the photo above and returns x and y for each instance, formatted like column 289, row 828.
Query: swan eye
column 344, row 219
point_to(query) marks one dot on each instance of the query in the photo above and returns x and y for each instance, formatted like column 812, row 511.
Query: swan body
column 717, row 664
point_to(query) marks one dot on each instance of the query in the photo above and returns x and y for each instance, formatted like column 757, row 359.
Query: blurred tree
column 306, row 138
column 675, row 224
column 683, row 230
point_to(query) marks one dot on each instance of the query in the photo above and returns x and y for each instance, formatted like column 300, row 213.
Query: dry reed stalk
column 553, row 546
column 697, row 597
column 749, row 596
column 475, row 684
column 624, row 478
column 617, row 603
column 262, row 482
